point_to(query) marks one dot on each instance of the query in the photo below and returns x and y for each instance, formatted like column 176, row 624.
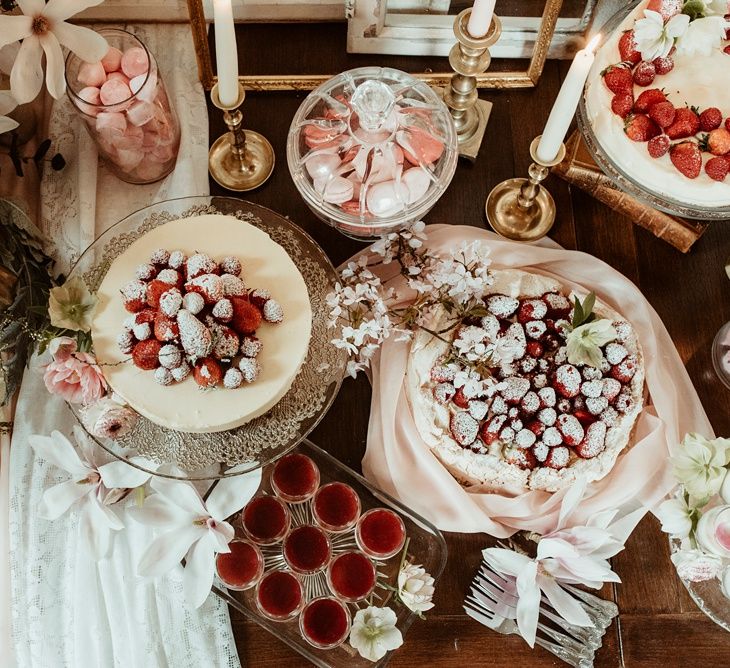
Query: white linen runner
column 67, row 610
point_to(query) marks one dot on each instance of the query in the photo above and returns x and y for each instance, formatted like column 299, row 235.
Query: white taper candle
column 226, row 53
column 480, row 18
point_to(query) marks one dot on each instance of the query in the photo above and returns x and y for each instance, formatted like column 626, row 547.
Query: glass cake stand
column 618, row 176
column 268, row 437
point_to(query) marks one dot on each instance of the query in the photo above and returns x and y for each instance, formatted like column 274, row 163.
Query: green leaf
column 577, row 313
column 588, row 304
column 583, row 313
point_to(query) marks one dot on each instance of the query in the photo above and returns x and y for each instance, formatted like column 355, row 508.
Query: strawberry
column 648, row 98
column 624, row 371
column 584, row 417
column 146, row 315
column 594, row 442
column 686, row 124
column 658, row 146
column 663, row 65
column 536, row 427
column 460, row 400
column 710, row 119
column 639, row 127
column 717, row 168
column 155, row 290
column 145, row 354
column 207, row 372
column 531, row 309
column 644, row 74
column 718, row 141
column 727, row 50
column 246, row 317
column 663, row 113
column 166, row 329
column 489, row 431
column 622, row 104
column 567, row 381
column 686, row 157
column 570, row 428
column 525, row 459
column 667, row 8
column 618, row 79
column 627, row 48
column 535, row 349
column 558, row 458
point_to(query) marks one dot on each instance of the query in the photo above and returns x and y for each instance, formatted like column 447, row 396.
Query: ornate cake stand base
column 522, row 209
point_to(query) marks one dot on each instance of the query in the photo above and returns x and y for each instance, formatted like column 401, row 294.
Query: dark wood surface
column 659, row 625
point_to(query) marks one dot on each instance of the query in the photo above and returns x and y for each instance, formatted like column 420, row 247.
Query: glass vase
column 126, row 109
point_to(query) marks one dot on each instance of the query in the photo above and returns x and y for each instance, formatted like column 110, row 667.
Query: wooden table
column 659, row 625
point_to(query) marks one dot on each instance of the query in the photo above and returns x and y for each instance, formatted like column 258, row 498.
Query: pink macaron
column 135, row 62
column 114, row 92
column 112, row 61
column 92, row 74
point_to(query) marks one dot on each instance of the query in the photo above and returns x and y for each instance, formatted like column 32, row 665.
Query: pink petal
column 565, row 605
column 121, row 474
column 167, row 550
column 26, row 79
column 59, row 498
column 13, row 28
column 181, row 493
column 505, row 561
column 31, row 7
column 84, row 42
column 55, row 79
column 60, row 10
column 528, row 604
column 199, row 571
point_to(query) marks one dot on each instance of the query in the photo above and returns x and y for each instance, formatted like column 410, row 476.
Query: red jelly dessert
column 242, row 567
column 295, row 478
column 279, row 595
column 351, row 576
column 325, row 622
column 307, row 549
column 265, row 520
column 380, row 533
column 336, row 507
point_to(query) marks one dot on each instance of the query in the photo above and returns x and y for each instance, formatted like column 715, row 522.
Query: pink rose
column 72, row 375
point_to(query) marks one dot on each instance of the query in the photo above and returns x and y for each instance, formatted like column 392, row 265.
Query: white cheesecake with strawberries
column 505, row 405
column 658, row 104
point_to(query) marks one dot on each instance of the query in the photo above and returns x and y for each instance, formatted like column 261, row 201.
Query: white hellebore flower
column 97, row 482
column 702, row 36
column 695, row 565
column 7, row 104
column 676, row 517
column 191, row 529
column 654, row 38
column 43, row 29
column 415, row 588
column 71, row 305
column 584, row 342
column 374, row 633
column 699, row 464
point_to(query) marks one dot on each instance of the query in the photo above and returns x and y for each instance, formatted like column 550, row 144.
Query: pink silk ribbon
column 398, row 461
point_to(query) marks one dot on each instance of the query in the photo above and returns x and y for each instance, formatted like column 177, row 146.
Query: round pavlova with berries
column 658, row 104
column 202, row 324
column 541, row 390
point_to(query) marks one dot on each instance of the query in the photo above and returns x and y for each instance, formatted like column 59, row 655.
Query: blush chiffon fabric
column 402, row 464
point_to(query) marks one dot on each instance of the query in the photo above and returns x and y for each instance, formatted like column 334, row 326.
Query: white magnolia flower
column 695, row 565
column 415, row 587
column 699, row 464
column 191, row 529
column 43, row 30
column 654, row 38
column 676, row 517
column 716, row 7
column 702, row 36
column 71, row 305
column 725, row 582
column 374, row 633
column 97, row 482
column 575, row 555
column 584, row 342
column 7, row 104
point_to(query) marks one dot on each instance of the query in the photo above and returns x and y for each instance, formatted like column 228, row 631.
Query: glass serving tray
column 425, row 546
column 264, row 439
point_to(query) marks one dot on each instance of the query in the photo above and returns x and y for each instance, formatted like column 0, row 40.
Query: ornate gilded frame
column 506, row 79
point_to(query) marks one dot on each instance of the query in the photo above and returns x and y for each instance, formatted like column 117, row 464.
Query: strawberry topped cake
column 202, row 323
column 512, row 401
column 658, row 103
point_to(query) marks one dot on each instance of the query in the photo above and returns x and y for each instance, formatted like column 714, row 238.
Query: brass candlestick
column 468, row 57
column 240, row 159
column 522, row 209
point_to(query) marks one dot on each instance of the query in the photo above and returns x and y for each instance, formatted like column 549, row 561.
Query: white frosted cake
column 202, row 324
column 547, row 421
column 659, row 56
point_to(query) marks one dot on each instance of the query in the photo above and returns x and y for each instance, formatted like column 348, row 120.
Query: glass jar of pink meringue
column 124, row 103
column 372, row 150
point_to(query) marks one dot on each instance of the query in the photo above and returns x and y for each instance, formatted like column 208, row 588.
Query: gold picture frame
column 527, row 78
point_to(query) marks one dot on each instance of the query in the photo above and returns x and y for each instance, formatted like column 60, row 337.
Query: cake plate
column 620, row 178
column 262, row 440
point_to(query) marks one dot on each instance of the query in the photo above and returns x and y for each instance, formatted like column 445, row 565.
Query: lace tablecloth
column 67, row 610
